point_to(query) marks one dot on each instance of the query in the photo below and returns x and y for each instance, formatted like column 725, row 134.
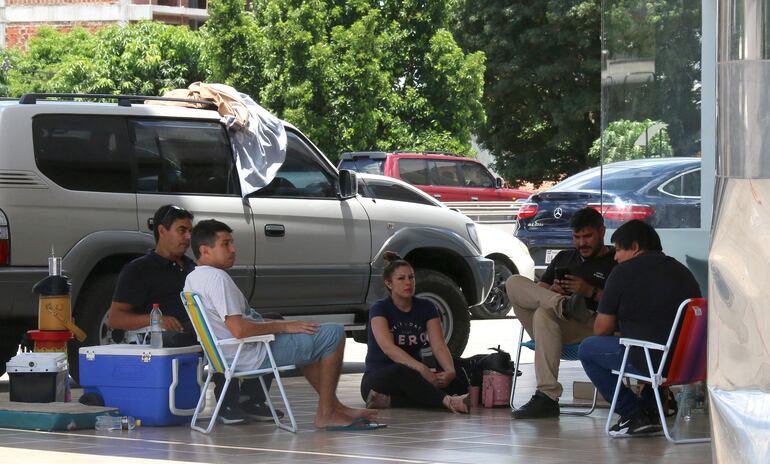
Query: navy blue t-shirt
column 410, row 330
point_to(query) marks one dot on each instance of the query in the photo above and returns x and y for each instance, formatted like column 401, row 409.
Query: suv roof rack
column 428, row 152
column 123, row 100
column 362, row 154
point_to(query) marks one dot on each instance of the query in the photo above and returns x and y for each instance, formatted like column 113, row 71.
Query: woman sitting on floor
column 400, row 326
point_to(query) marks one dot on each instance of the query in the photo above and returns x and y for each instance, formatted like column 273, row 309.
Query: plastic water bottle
column 687, row 402
column 116, row 423
column 156, row 333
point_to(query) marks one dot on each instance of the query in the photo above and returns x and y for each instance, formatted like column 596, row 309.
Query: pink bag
column 496, row 389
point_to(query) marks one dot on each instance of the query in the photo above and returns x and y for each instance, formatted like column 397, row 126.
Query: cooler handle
column 175, row 381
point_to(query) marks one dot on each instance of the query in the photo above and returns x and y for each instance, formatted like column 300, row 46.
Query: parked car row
column 444, row 177
column 664, row 192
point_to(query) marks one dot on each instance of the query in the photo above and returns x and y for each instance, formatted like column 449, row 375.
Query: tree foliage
column 354, row 75
column 620, row 141
column 146, row 58
column 542, row 82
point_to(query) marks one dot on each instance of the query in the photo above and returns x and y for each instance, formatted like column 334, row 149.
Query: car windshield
column 619, row 178
column 365, row 165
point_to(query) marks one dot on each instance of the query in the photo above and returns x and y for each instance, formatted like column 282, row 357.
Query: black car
column 665, row 192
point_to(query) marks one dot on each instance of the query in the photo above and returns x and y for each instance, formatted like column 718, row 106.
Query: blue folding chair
column 568, row 353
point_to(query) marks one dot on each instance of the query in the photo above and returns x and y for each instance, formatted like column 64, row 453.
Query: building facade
column 20, row 19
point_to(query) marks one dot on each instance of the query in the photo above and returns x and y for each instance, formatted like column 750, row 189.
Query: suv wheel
column 497, row 305
column 452, row 307
column 91, row 313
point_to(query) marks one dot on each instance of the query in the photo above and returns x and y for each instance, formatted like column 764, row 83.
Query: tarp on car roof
column 258, row 138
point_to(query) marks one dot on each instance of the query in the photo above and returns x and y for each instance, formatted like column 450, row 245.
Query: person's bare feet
column 335, row 418
column 355, row 413
column 458, row 403
column 377, row 400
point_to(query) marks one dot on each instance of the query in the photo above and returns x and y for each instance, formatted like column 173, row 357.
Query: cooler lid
column 37, row 362
column 125, row 349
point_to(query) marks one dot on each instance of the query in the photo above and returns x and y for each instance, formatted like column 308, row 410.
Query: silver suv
column 85, row 179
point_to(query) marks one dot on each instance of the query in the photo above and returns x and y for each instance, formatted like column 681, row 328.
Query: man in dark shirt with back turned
column 158, row 277
column 560, row 309
column 640, row 301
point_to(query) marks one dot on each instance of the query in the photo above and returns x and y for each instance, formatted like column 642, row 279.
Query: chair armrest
column 253, row 339
column 642, row 344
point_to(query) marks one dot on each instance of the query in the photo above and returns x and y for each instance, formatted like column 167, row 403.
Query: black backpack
column 499, row 361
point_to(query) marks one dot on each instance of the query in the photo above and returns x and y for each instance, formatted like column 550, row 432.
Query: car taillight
column 623, row 211
column 5, row 241
column 527, row 211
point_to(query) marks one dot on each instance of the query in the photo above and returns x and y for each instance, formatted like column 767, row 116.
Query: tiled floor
column 488, row 436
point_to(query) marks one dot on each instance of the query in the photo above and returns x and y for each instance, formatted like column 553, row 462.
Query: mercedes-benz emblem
column 557, row 213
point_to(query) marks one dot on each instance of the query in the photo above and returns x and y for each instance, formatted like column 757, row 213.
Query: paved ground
column 487, row 436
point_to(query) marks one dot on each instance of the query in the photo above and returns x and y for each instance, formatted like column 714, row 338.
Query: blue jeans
column 600, row 355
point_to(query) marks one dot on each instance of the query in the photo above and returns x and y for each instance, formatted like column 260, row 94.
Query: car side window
column 414, row 171
column 182, row 157
column 685, row 185
column 476, row 175
column 395, row 192
column 302, row 175
column 445, row 173
column 83, row 152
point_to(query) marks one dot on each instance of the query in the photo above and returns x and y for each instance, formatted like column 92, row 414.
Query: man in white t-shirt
column 318, row 348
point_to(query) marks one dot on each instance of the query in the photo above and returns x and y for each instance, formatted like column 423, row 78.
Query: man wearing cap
column 158, row 277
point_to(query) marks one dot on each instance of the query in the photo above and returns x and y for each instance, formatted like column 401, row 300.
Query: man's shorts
column 302, row 349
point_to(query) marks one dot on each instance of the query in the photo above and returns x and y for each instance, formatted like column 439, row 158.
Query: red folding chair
column 688, row 362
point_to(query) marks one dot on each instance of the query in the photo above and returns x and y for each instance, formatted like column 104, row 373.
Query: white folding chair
column 218, row 363
column 688, row 362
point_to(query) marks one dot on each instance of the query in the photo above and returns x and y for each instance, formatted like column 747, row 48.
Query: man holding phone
column 561, row 308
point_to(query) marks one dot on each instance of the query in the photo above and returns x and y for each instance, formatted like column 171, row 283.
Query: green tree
column 542, row 82
column 621, row 137
column 146, row 58
column 354, row 75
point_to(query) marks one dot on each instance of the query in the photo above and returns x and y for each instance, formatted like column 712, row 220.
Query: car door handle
column 275, row 230
column 437, row 196
column 151, row 223
column 474, row 198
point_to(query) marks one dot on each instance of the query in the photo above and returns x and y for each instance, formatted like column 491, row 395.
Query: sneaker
column 259, row 411
column 230, row 415
column 638, row 425
column 539, row 406
column 573, row 308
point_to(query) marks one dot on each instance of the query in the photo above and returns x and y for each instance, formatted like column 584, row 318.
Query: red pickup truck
column 447, row 178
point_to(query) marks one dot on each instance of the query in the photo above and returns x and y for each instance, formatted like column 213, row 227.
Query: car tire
column 451, row 304
column 497, row 305
column 90, row 315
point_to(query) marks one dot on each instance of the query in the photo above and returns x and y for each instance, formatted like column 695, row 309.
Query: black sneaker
column 540, row 405
column 638, row 425
column 573, row 308
column 259, row 411
column 230, row 415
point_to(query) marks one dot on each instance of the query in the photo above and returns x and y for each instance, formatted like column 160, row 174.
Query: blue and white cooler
column 160, row 386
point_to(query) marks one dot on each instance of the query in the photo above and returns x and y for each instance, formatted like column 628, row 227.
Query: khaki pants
column 539, row 311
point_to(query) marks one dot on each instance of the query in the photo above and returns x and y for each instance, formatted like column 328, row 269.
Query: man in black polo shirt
column 158, row 277
column 560, row 309
column 640, row 301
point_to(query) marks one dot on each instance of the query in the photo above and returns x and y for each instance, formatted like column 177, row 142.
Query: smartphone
column 560, row 273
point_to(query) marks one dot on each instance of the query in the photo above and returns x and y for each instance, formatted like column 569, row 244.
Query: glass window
column 684, row 185
column 651, row 96
column 445, row 173
column 414, row 171
column 183, row 157
column 302, row 175
column 83, row 152
column 477, row 176
column 365, row 165
column 616, row 179
column 391, row 191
